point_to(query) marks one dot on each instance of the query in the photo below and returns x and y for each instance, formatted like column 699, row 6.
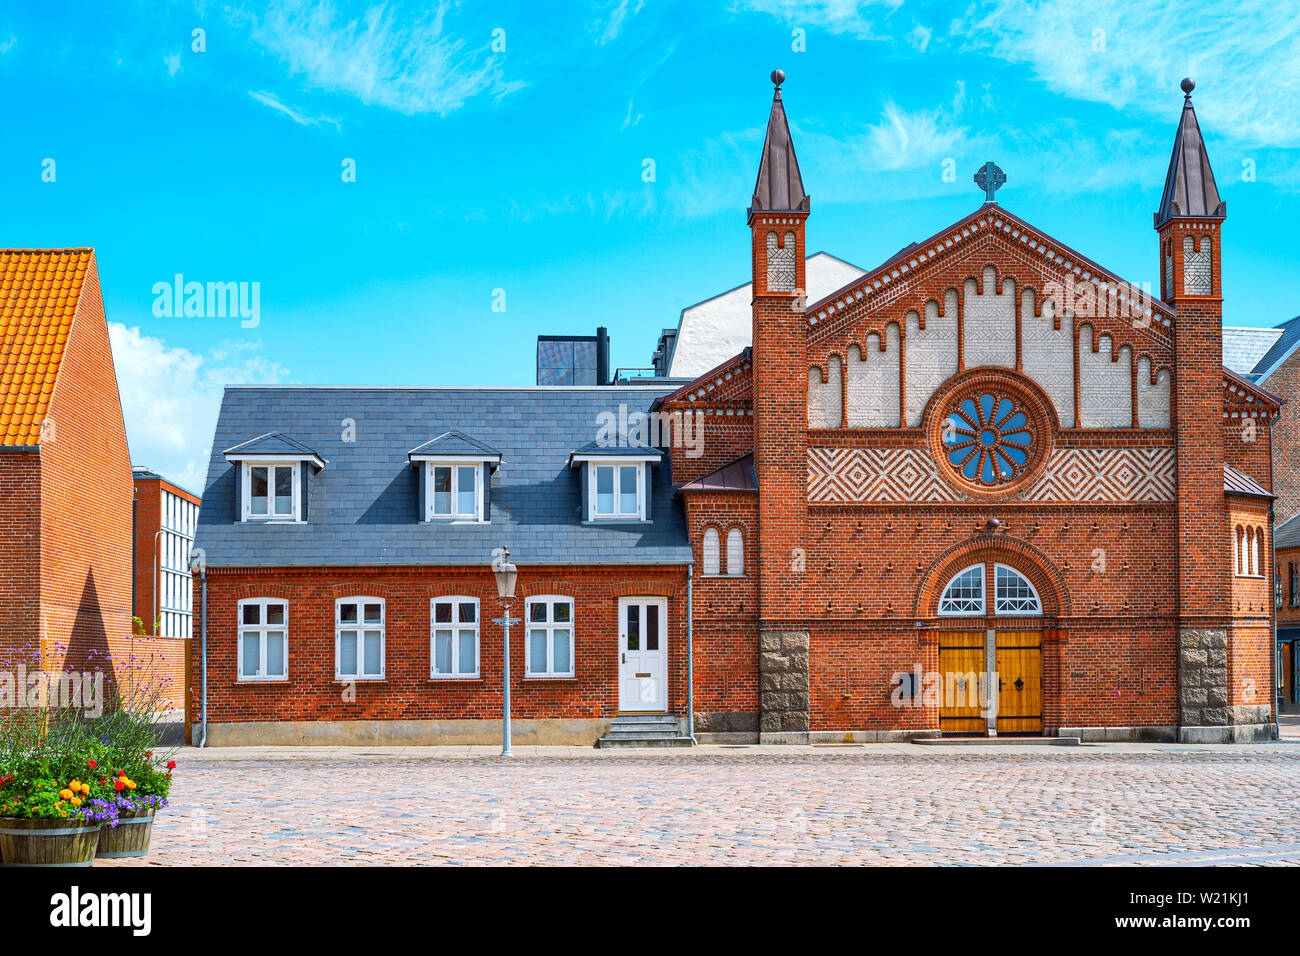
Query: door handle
column 624, row 658
column 1000, row 683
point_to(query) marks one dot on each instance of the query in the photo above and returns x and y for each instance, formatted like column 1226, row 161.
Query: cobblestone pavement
column 717, row 805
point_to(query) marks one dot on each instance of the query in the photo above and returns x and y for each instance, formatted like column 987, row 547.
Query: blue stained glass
column 988, row 438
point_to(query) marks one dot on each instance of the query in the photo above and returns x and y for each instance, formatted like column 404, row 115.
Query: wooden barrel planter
column 62, row 842
column 129, row 838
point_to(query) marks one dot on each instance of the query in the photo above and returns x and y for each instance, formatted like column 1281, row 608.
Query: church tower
column 777, row 217
column 1188, row 223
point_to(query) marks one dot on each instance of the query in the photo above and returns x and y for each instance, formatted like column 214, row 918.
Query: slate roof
column 39, row 293
column 455, row 443
column 363, row 506
column 272, row 443
column 1242, row 483
column 1244, row 347
column 736, row 476
column 599, row 448
column 1280, row 351
column 1287, row 534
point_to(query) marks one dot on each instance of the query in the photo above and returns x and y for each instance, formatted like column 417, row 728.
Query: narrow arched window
column 712, row 552
column 735, row 552
column 1239, row 551
column 1255, row 538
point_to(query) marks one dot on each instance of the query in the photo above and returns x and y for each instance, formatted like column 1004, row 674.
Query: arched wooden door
column 991, row 678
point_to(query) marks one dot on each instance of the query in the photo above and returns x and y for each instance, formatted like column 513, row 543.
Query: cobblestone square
column 903, row 804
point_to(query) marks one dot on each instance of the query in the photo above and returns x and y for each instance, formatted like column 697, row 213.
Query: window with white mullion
column 549, row 647
column 455, row 490
column 454, row 651
column 964, row 593
column 263, row 639
column 359, row 638
column 270, row 491
column 616, row 490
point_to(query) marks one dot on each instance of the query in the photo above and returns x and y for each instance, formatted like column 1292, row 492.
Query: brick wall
column 1286, row 439
column 408, row 692
column 20, row 513
column 85, row 498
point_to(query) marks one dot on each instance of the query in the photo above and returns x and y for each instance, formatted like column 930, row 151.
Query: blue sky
column 522, row 170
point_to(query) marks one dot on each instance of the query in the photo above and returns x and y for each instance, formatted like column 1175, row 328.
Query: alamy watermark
column 624, row 428
column 22, row 688
column 212, row 300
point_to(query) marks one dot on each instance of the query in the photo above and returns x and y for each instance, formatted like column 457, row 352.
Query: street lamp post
column 505, row 574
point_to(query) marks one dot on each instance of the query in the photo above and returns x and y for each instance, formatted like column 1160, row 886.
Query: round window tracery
column 989, row 438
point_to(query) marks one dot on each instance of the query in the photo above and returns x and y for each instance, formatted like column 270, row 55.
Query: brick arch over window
column 1016, row 554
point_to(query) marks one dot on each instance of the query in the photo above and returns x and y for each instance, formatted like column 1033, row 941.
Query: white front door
column 643, row 654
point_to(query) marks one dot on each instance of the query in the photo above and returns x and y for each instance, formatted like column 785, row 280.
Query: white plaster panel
column 824, row 398
column 1153, row 400
column 931, row 353
column 873, row 382
column 989, row 322
column 1047, row 354
column 1105, row 387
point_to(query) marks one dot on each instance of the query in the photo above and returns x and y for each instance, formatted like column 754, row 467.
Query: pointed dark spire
column 1190, row 190
column 779, row 186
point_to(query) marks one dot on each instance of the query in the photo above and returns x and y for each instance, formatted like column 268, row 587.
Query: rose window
column 989, row 438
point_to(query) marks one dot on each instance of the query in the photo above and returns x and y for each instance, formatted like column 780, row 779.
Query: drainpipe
column 203, row 667
column 690, row 656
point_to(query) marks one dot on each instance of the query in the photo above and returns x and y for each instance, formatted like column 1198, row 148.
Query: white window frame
column 738, row 569
column 262, row 629
column 1028, row 583
column 480, row 476
column 593, row 514
column 360, row 626
column 246, row 496
column 550, row 626
column 455, row 600
column 983, row 598
column 711, row 563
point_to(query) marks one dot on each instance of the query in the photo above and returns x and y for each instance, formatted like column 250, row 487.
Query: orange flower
column 75, row 785
column 76, row 801
column 65, row 793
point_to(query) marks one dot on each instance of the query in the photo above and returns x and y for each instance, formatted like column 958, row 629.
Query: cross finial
column 990, row 179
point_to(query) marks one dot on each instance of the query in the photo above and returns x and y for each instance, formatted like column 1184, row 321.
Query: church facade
column 986, row 488
column 995, row 488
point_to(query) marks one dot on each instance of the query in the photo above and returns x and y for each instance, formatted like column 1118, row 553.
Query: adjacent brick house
column 165, row 516
column 65, row 476
column 986, row 487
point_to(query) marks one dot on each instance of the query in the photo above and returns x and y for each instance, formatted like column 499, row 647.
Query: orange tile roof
column 39, row 290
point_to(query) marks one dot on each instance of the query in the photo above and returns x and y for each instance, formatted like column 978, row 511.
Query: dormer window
column 616, row 482
column 455, row 491
column 273, row 475
column 455, row 478
column 271, row 491
column 619, row 490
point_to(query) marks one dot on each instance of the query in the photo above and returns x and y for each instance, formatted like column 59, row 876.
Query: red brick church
column 985, row 488
column 989, row 459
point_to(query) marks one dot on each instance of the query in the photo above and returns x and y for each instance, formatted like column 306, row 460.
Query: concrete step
column 630, row 742
column 997, row 741
column 643, row 727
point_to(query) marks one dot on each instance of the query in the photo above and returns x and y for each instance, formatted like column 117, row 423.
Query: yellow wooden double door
column 1012, row 688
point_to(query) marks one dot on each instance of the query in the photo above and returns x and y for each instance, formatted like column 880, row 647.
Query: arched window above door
column 964, row 593
column 1012, row 593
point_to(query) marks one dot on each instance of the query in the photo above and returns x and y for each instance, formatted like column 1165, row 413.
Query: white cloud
column 173, row 63
column 920, row 37
column 632, row 118
column 834, row 16
column 906, row 140
column 9, row 44
column 170, row 398
column 607, row 29
column 302, row 119
column 1131, row 54
column 410, row 66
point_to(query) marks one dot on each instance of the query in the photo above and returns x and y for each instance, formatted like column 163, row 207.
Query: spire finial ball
column 778, row 77
column 1188, row 85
